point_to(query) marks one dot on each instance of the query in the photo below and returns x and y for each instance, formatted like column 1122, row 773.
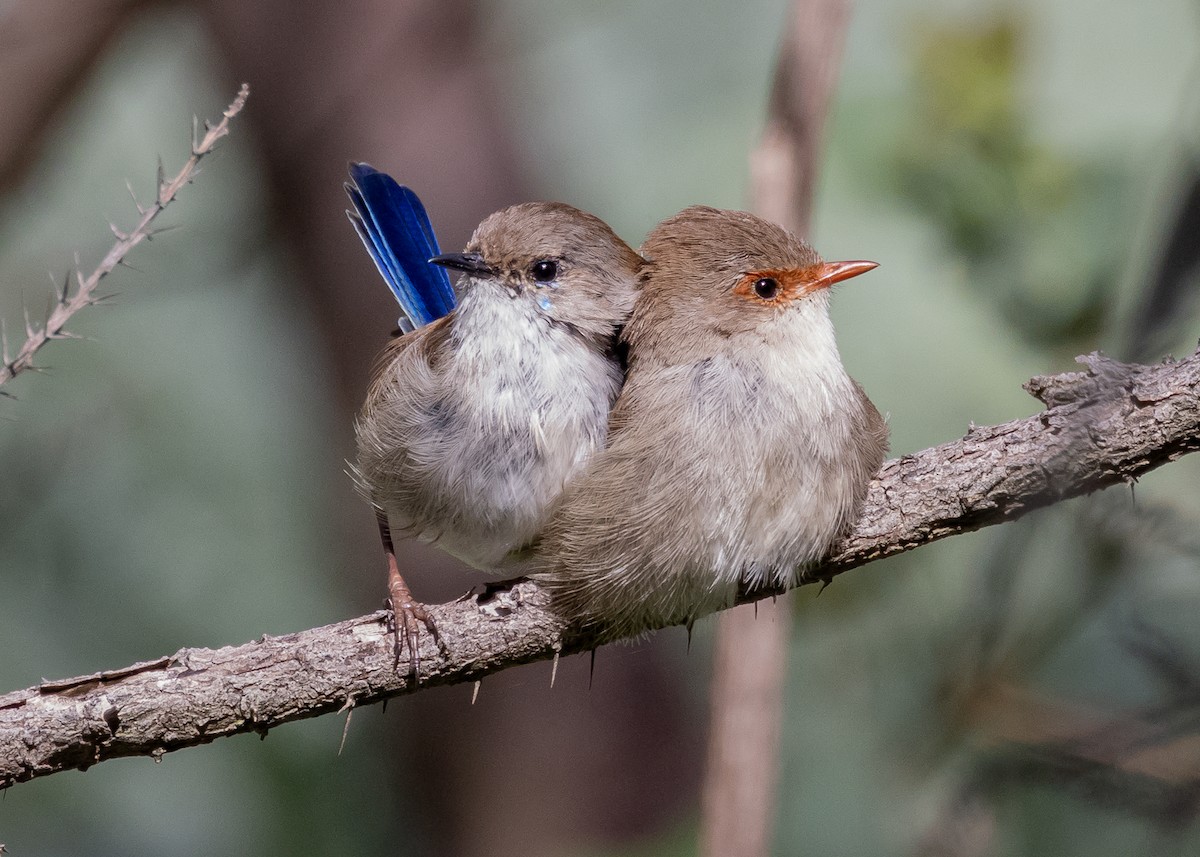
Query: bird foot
column 408, row 615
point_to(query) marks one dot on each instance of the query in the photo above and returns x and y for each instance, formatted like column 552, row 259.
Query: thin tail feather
column 395, row 229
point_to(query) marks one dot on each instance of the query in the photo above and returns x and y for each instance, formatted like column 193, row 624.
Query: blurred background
column 1028, row 176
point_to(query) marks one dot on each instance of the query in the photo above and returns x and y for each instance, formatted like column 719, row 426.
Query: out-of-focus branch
column 1104, row 426
column 1143, row 762
column 68, row 302
column 750, row 661
column 785, row 166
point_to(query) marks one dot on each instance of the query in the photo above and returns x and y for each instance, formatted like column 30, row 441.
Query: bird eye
column 544, row 270
column 766, row 288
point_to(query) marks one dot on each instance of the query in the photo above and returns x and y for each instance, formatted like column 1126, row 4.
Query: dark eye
column 544, row 270
column 766, row 288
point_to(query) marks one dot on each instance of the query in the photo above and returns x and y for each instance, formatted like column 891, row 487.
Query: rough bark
column 1104, row 426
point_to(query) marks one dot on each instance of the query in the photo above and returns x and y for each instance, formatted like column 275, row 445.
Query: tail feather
column 395, row 229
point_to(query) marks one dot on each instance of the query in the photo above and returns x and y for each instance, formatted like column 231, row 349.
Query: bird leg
column 408, row 614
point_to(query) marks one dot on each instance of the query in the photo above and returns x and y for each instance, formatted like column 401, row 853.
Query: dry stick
column 66, row 303
column 750, row 658
column 1104, row 426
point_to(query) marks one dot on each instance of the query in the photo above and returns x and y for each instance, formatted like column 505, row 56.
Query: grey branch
column 68, row 302
column 1104, row 426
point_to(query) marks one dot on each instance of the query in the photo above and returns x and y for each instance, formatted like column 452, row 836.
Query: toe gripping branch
column 408, row 614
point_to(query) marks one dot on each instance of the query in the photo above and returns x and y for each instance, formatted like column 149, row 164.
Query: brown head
column 713, row 275
column 566, row 263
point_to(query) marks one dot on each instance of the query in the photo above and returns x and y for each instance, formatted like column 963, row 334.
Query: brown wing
column 427, row 338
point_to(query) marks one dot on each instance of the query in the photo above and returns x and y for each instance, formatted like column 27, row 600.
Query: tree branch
column 66, row 303
column 1103, row 426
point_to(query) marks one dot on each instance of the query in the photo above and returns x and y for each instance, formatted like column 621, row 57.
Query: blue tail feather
column 395, row 229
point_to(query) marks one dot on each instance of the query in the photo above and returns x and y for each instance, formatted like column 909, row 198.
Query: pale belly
column 473, row 458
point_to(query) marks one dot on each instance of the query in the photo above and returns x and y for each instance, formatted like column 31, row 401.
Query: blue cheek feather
column 544, row 302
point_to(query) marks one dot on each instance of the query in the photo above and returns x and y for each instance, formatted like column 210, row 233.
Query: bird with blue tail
column 497, row 392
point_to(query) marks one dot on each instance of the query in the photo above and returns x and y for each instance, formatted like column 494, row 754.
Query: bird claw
column 407, row 618
column 408, row 614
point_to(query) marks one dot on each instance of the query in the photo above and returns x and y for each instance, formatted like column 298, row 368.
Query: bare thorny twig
column 68, row 301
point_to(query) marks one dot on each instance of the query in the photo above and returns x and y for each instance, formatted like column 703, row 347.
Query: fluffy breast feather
column 470, row 433
column 744, row 466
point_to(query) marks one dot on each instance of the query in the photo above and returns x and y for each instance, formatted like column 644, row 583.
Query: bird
column 497, row 392
column 739, row 449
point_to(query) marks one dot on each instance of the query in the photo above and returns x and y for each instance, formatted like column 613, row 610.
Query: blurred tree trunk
column 750, row 665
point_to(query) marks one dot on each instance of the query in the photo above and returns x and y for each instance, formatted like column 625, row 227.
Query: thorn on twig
column 96, row 300
column 122, row 236
column 150, row 233
column 349, row 709
column 133, row 196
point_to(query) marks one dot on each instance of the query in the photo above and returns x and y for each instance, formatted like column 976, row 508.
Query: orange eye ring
column 778, row 286
column 770, row 287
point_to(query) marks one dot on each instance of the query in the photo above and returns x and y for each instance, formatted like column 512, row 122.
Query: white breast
column 481, row 447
